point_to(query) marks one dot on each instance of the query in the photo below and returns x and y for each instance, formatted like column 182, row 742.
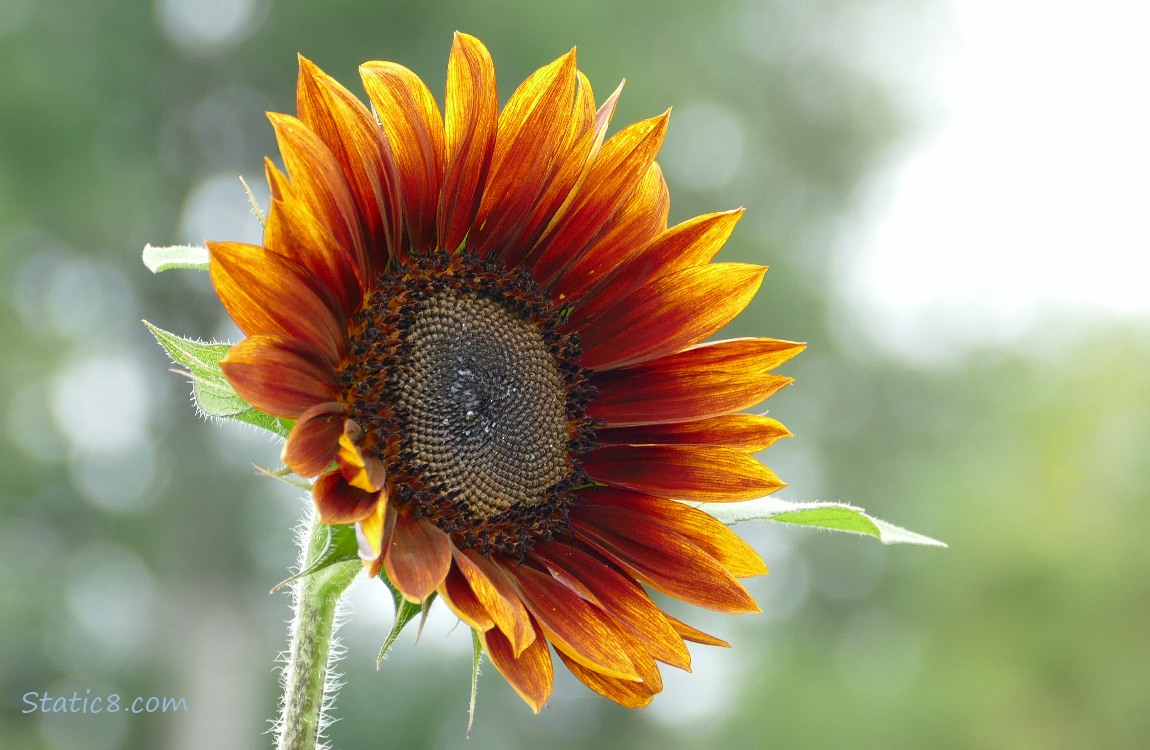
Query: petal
column 618, row 169
column 471, row 112
column 357, row 142
column 459, row 597
column 749, row 433
column 689, row 633
column 499, row 597
column 365, row 472
column 266, row 293
column 669, row 314
column 683, row 472
column 280, row 375
column 703, row 381
column 582, row 631
column 691, row 243
column 533, row 129
column 619, row 596
column 339, row 502
column 624, row 692
column 373, row 534
column 660, row 557
column 418, row 557
column 313, row 441
column 529, row 672
column 702, row 530
column 414, row 127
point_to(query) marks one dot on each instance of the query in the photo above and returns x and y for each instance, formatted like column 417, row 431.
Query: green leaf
column 405, row 612
column 191, row 257
column 476, row 660
column 214, row 395
column 823, row 515
column 341, row 546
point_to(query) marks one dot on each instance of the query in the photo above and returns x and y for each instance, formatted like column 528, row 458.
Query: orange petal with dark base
column 339, row 502
column 498, row 595
column 619, row 596
column 418, row 557
column 280, row 375
column 748, row 433
column 267, row 293
column 669, row 314
column 581, row 630
column 471, row 114
column 530, row 672
column 414, row 127
column 683, row 472
column 702, row 530
column 313, row 441
column 661, row 558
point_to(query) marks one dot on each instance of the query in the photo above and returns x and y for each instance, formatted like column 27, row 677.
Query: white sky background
column 1031, row 198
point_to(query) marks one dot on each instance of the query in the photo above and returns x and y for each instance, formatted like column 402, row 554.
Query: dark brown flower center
column 472, row 397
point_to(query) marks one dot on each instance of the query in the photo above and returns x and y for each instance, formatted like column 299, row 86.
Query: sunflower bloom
column 490, row 342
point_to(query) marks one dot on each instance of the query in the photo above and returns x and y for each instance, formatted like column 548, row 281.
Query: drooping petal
column 626, row 693
column 530, row 672
column 471, row 114
column 265, row 293
column 339, row 502
column 749, row 433
column 457, row 593
column 348, row 129
column 669, row 314
column 281, row 375
column 702, row 530
column 414, row 127
column 418, row 557
column 313, row 442
column 660, row 557
column 683, row 472
column 620, row 597
column 499, row 597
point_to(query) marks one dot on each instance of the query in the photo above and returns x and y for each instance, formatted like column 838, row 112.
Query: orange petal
column 669, row 314
column 471, row 112
column 624, row 692
column 365, row 472
column 620, row 597
column 702, row 530
column 683, row 472
column 749, row 433
column 529, row 672
column 703, row 381
column 533, row 129
column 418, row 557
column 499, row 597
column 459, row 597
column 584, row 632
column 339, row 502
column 313, row 441
column 355, row 139
column 414, row 127
column 660, row 557
column 689, row 633
column 266, row 293
column 618, row 169
column 280, row 375
column 373, row 534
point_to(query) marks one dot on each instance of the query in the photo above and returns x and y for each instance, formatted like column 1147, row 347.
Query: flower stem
column 305, row 676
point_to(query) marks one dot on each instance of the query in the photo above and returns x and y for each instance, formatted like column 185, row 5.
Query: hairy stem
column 306, row 674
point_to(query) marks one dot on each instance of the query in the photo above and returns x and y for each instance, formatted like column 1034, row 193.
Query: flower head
column 490, row 342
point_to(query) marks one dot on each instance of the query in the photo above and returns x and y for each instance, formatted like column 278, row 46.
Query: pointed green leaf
column 191, row 257
column 405, row 612
column 476, row 660
column 823, row 515
column 341, row 546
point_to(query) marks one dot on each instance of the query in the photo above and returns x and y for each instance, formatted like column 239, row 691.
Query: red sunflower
column 490, row 342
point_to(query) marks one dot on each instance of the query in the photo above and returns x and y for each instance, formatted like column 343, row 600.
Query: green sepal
column 214, row 395
column 476, row 660
column 340, row 546
column 190, row 257
column 405, row 612
column 822, row 515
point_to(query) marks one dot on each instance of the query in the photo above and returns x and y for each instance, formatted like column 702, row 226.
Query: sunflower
column 490, row 342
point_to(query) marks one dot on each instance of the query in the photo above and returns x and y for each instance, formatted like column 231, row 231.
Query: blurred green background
column 137, row 546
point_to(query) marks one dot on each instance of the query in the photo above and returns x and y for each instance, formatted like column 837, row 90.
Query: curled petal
column 683, row 472
column 313, row 441
column 373, row 535
column 693, row 635
column 281, row 375
column 462, row 600
column 418, row 557
column 339, row 502
column 365, row 472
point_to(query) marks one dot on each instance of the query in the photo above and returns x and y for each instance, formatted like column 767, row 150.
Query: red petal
column 472, row 121
column 339, row 502
column 459, row 597
column 530, row 672
column 418, row 557
column 669, row 314
column 280, row 375
column 499, row 597
column 749, row 433
column 313, row 441
column 683, row 472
